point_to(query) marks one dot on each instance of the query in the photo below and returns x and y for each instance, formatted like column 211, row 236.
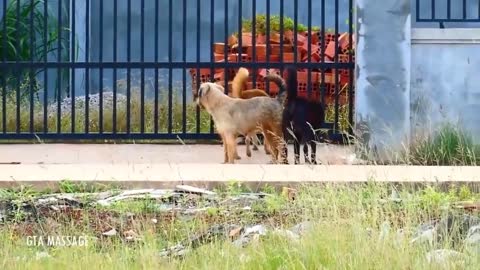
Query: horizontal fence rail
column 128, row 69
column 447, row 11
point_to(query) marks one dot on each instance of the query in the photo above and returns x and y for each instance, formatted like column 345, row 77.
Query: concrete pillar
column 382, row 98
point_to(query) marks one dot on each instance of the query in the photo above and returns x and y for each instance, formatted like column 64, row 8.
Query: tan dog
column 233, row 117
column 238, row 85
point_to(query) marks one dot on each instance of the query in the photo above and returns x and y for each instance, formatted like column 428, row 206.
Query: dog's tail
column 239, row 82
column 280, row 82
column 292, row 83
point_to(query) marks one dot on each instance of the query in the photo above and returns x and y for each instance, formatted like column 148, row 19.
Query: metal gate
column 123, row 69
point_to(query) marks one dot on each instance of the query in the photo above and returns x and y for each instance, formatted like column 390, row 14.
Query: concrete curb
column 163, row 175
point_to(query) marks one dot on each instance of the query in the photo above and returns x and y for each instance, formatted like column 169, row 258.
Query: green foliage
column 261, row 24
column 27, row 38
column 448, row 146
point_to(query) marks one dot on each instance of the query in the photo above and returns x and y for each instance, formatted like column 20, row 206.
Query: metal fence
column 447, row 11
column 123, row 69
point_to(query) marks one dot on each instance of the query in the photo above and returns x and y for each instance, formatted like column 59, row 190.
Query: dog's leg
column 266, row 146
column 225, row 159
column 296, row 151
column 248, row 140
column 269, row 137
column 231, row 147
column 305, row 153
column 255, row 141
column 313, row 146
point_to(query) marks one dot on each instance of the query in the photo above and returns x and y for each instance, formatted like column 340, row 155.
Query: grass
column 349, row 232
column 177, row 115
column 449, row 145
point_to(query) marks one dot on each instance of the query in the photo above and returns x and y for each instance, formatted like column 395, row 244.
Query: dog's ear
column 203, row 90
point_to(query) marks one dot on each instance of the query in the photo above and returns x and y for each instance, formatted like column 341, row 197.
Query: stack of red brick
column 258, row 53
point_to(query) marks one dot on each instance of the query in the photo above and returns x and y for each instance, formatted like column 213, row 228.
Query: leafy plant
column 25, row 37
column 261, row 24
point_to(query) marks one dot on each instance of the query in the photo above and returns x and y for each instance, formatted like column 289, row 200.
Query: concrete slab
column 142, row 166
column 146, row 154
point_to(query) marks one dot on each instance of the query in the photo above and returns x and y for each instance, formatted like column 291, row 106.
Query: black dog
column 302, row 119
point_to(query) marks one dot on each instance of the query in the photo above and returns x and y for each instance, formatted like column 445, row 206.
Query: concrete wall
column 411, row 80
column 382, row 99
column 445, row 79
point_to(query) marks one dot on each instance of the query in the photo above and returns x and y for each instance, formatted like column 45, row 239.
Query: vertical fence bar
column 72, row 48
column 31, row 78
column 197, row 109
column 59, row 70
column 142, row 70
column 114, row 109
column 240, row 26
column 433, row 9
column 254, row 42
column 225, row 49
column 335, row 124
column 18, row 69
column 155, row 110
column 45, row 73
column 129, row 41
column 170, row 60
column 310, row 83
column 351, row 70
column 87, row 70
column 295, row 31
column 267, row 37
column 449, row 7
column 4, row 80
column 464, row 9
column 212, row 58
column 323, row 44
column 281, row 35
column 417, row 9
column 184, row 56
column 100, row 56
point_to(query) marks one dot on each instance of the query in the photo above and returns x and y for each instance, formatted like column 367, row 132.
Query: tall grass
column 449, row 145
column 27, row 38
column 164, row 111
column 353, row 227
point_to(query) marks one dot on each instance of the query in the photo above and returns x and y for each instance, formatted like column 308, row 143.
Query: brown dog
column 238, row 85
column 233, row 117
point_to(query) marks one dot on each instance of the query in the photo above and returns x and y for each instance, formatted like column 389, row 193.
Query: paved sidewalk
column 146, row 154
column 142, row 166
